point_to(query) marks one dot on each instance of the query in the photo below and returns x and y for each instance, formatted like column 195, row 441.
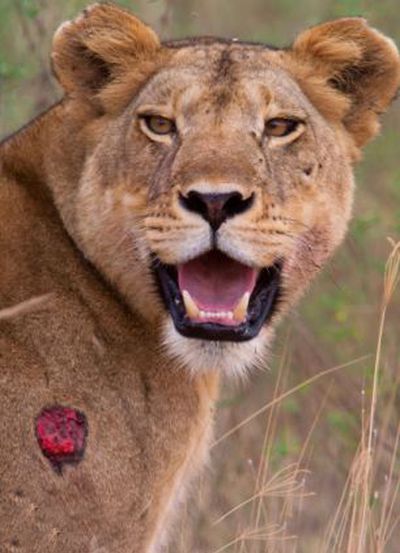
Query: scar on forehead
column 223, row 78
column 224, row 65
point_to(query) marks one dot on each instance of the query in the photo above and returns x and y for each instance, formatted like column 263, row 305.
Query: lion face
column 216, row 183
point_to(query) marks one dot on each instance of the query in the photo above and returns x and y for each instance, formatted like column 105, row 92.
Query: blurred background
column 286, row 480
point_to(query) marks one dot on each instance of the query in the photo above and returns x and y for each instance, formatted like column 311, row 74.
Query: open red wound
column 61, row 433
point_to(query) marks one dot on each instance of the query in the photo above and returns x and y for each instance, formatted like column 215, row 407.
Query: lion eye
column 158, row 124
column 280, row 126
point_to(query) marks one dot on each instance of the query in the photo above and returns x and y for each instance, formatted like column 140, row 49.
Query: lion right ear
column 99, row 45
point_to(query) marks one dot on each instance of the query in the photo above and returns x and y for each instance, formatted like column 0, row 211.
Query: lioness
column 155, row 225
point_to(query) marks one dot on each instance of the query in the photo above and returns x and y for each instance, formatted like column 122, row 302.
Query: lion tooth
column 240, row 311
column 192, row 310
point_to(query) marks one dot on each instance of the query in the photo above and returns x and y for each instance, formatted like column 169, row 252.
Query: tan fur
column 87, row 197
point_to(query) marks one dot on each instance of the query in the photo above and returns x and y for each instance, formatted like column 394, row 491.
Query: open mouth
column 215, row 297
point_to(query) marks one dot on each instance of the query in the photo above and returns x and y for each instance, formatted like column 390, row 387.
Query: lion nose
column 216, row 208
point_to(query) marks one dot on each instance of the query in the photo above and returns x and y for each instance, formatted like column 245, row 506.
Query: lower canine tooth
column 192, row 310
column 240, row 311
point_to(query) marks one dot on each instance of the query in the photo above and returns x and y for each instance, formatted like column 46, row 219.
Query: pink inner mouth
column 216, row 284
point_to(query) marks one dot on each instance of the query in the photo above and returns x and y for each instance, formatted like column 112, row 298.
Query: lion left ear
column 349, row 70
column 101, row 44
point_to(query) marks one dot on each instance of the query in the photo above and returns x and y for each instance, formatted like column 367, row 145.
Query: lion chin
column 233, row 359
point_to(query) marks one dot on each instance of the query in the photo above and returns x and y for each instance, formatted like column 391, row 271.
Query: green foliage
column 30, row 8
column 291, row 406
column 287, row 446
column 343, row 422
column 363, row 224
column 10, row 71
column 353, row 8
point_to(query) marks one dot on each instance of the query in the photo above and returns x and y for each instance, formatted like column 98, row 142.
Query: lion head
column 209, row 180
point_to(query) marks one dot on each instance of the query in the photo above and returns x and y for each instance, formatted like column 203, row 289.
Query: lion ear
column 350, row 70
column 99, row 45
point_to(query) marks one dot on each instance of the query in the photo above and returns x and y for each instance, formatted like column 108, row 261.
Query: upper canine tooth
column 191, row 308
column 240, row 311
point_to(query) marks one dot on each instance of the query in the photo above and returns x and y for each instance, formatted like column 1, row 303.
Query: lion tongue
column 216, row 288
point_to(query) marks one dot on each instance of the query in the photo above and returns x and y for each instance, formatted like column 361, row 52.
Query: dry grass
column 367, row 513
column 365, row 518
